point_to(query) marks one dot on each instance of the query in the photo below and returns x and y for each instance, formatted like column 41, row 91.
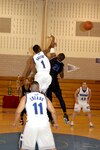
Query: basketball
column 88, row 25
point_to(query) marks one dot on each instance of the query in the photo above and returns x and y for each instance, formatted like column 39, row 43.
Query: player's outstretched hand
column 53, row 43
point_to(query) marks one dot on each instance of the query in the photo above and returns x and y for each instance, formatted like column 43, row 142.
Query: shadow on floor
column 63, row 142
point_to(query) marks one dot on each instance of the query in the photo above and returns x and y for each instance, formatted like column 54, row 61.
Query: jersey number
column 38, row 108
column 83, row 98
column 42, row 62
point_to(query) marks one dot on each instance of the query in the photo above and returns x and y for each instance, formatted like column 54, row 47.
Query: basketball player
column 37, row 128
column 57, row 68
column 82, row 101
column 42, row 66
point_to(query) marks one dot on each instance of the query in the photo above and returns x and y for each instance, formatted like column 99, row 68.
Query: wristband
column 52, row 50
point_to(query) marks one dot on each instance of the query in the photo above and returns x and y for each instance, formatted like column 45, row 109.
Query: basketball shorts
column 37, row 133
column 84, row 106
column 44, row 79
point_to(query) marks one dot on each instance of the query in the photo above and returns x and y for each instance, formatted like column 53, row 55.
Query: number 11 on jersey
column 38, row 108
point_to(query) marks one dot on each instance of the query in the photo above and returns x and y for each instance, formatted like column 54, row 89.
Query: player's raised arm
column 52, row 44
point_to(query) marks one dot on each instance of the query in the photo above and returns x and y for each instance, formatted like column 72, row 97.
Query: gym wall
column 24, row 23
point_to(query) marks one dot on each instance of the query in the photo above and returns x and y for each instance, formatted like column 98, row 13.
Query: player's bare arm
column 89, row 97
column 30, row 68
column 62, row 74
column 76, row 95
column 19, row 110
column 53, row 112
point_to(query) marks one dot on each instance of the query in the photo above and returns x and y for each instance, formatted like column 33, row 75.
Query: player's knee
column 86, row 109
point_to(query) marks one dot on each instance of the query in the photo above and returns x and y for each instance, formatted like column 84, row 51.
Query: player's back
column 42, row 62
column 36, row 108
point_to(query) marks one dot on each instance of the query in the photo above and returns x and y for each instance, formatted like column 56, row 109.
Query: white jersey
column 42, row 62
column 37, row 128
column 36, row 107
column 83, row 95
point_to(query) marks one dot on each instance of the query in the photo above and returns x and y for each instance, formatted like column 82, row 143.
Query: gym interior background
column 24, row 23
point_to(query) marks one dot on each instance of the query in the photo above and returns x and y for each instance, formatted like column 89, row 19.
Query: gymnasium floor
column 79, row 137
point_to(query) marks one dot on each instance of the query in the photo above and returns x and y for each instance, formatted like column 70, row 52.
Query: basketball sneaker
column 91, row 125
column 72, row 124
column 66, row 119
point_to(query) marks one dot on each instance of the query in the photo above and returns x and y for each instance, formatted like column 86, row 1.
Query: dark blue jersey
column 56, row 67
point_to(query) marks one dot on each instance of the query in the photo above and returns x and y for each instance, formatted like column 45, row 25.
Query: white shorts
column 84, row 106
column 40, row 134
column 44, row 79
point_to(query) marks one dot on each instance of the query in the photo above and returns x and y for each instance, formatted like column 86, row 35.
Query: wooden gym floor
column 81, row 127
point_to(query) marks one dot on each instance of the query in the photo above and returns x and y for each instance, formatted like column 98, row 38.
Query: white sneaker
column 91, row 125
column 72, row 123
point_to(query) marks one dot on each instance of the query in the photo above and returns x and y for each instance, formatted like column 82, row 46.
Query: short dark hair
column 61, row 56
column 36, row 48
column 35, row 86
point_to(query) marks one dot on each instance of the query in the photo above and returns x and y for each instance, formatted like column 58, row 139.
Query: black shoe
column 66, row 119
